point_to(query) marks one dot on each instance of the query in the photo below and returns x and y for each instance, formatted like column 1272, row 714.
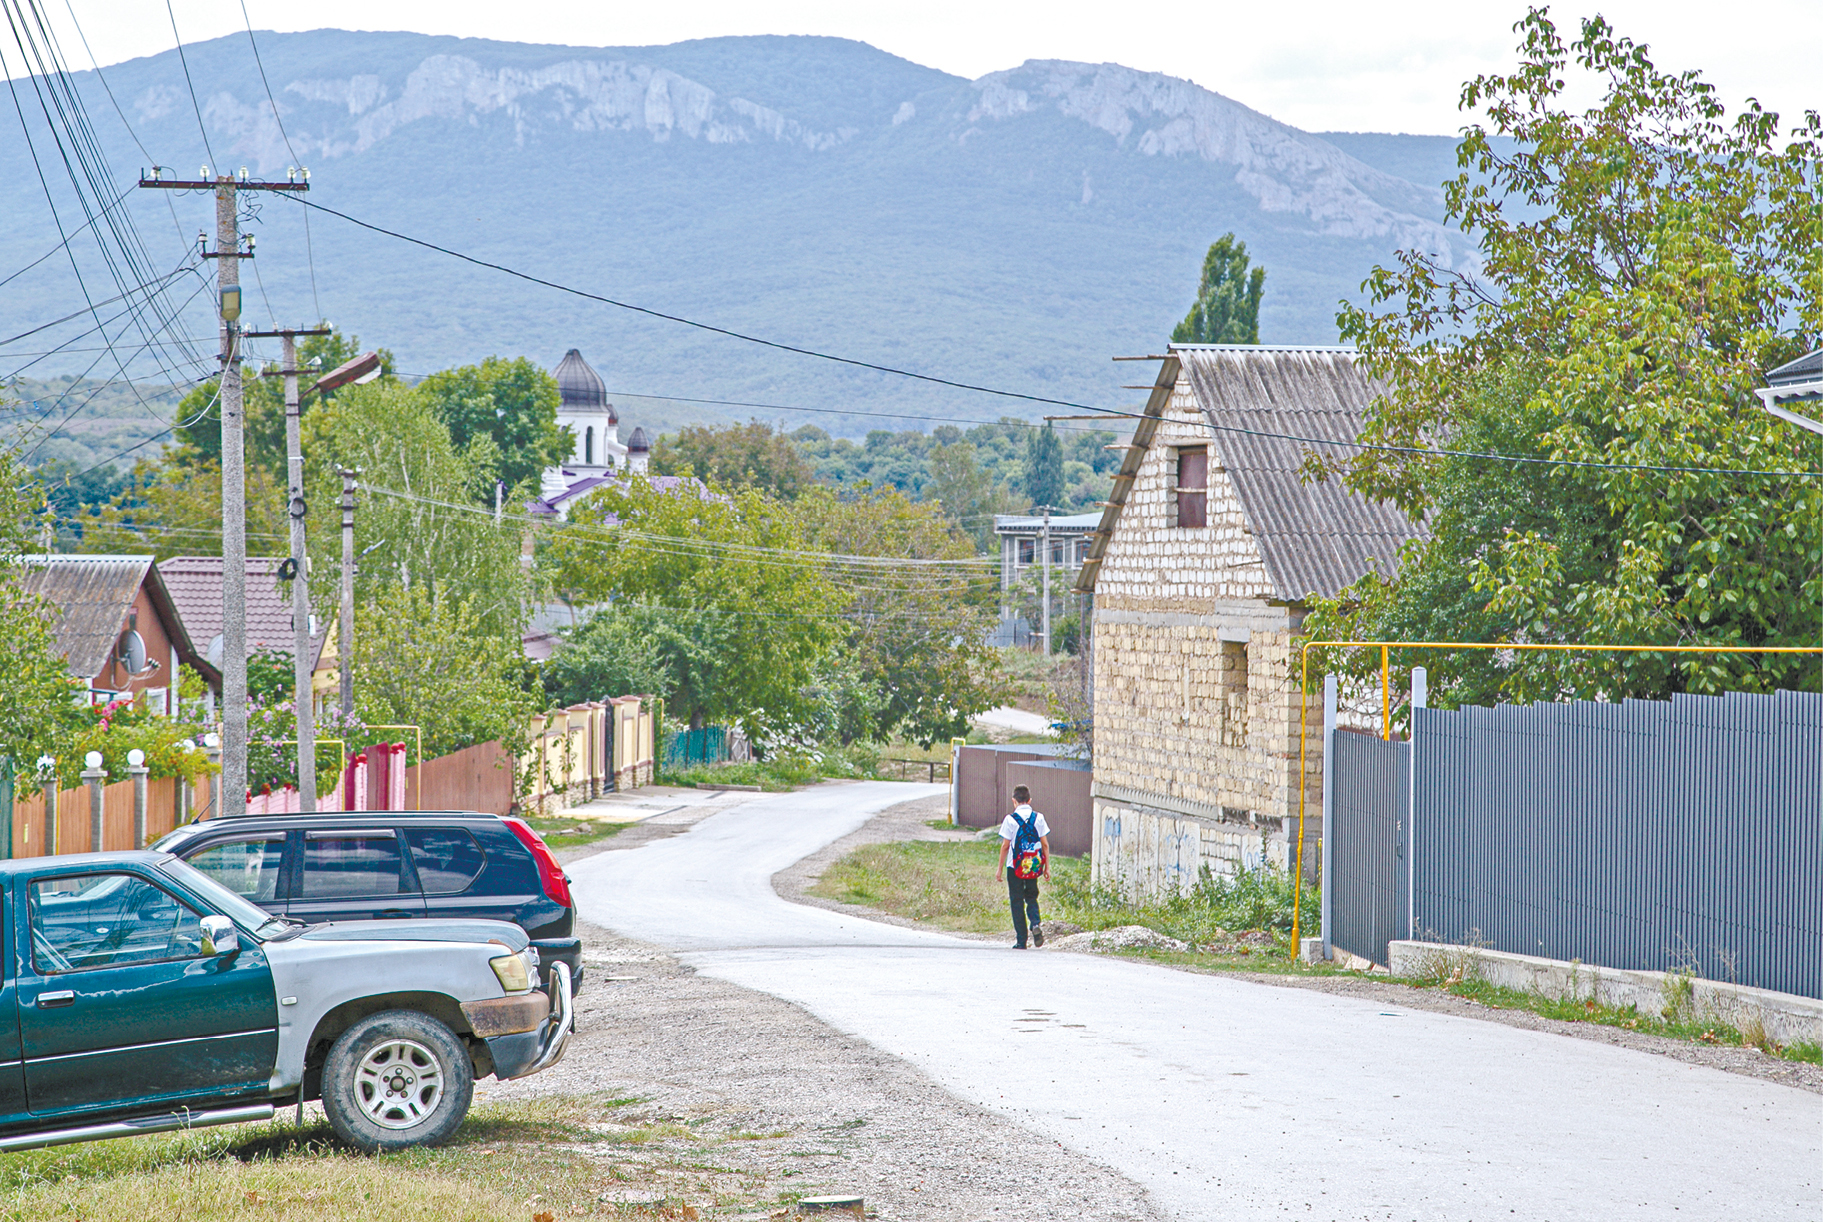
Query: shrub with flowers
column 117, row 728
column 272, row 757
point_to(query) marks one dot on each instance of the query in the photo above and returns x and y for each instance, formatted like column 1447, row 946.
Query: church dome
column 579, row 385
column 637, row 444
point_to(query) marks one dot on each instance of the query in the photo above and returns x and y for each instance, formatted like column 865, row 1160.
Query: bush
column 1258, row 899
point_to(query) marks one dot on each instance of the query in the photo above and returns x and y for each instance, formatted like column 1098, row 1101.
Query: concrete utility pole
column 228, row 254
column 303, row 699
column 1045, row 615
column 345, row 642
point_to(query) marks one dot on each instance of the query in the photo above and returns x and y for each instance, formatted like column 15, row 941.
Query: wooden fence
column 475, row 778
column 30, row 833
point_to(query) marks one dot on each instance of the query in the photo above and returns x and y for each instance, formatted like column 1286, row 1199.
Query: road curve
column 1226, row 1099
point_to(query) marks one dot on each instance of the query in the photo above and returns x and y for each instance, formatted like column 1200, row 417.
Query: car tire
column 397, row 1079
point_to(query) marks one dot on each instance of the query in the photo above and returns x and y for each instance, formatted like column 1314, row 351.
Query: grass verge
column 784, row 770
column 554, row 1158
column 569, row 833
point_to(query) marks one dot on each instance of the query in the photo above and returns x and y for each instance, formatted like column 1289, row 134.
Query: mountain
column 1016, row 231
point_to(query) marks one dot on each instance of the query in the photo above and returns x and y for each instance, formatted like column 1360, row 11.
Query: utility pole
column 345, row 643
column 303, row 701
column 1045, row 616
column 228, row 254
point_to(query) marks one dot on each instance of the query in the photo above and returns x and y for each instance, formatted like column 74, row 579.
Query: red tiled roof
column 195, row 583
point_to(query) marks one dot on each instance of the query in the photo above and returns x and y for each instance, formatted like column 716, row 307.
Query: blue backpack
column 1028, row 848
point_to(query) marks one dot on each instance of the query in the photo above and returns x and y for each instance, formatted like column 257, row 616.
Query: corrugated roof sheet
column 195, row 585
column 1807, row 368
column 92, row 595
column 1315, row 538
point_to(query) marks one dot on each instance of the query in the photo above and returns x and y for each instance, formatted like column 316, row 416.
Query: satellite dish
column 215, row 651
column 132, row 651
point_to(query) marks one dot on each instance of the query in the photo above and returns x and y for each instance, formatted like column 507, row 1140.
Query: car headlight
column 514, row 971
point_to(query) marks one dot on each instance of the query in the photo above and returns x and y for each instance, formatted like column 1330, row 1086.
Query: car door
column 120, row 1008
column 457, row 876
column 12, row 1063
column 353, row 874
column 250, row 865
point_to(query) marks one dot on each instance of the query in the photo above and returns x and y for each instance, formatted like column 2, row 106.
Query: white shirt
column 1009, row 828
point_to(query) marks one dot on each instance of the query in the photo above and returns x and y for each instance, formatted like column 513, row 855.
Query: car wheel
column 397, row 1079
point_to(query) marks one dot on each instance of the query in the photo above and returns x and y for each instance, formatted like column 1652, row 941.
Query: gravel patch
column 1125, row 937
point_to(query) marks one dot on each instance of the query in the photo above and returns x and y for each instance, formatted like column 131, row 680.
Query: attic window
column 1192, row 486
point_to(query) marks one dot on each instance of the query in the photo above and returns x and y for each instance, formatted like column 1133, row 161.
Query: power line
column 185, row 61
column 691, row 322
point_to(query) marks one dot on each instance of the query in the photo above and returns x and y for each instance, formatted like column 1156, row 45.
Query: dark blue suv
column 390, row 864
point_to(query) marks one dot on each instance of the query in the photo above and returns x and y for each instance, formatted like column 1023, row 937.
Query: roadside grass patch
column 949, row 884
column 561, row 833
column 561, row 1157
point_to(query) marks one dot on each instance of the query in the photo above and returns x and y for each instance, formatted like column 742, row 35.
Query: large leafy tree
column 1645, row 260
column 748, row 455
column 748, row 605
column 1227, row 306
column 419, row 523
column 511, row 403
column 918, row 609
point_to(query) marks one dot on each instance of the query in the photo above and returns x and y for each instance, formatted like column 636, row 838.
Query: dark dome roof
column 581, row 387
column 637, row 443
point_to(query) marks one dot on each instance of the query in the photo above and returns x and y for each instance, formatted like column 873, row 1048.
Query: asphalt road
column 1226, row 1099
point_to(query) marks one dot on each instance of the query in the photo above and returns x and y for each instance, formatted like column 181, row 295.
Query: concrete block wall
column 1148, row 854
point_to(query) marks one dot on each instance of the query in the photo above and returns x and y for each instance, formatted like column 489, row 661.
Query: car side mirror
column 219, row 936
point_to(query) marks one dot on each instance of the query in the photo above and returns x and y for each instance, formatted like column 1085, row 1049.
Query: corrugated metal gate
column 1681, row 834
column 1366, row 813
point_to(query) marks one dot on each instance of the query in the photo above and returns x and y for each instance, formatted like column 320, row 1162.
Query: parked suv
column 392, row 865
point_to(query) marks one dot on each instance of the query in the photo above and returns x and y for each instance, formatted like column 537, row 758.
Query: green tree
column 734, row 577
column 513, row 404
column 913, row 659
column 39, row 699
column 1227, row 307
column 623, row 650
column 1645, row 260
column 1044, row 468
column 418, row 523
column 172, row 506
column 427, row 659
column 748, row 455
column 969, row 495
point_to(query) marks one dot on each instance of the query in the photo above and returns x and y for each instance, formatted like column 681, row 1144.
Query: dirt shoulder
column 907, row 822
column 760, row 1099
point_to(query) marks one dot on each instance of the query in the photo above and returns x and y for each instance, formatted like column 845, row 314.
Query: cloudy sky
column 1391, row 65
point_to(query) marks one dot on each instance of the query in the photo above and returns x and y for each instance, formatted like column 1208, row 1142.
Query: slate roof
column 1315, row 538
column 195, row 583
column 92, row 595
column 1799, row 381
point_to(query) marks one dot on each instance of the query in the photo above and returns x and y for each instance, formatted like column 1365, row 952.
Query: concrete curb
column 1785, row 1018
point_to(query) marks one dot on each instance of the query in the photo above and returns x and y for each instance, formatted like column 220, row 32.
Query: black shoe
column 1037, row 936
column 1019, row 946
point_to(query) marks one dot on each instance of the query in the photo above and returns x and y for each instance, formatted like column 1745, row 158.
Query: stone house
column 1198, row 580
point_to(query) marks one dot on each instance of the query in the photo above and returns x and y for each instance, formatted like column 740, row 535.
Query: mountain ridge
column 1015, row 230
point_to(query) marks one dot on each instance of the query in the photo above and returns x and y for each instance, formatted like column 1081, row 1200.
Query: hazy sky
column 1387, row 65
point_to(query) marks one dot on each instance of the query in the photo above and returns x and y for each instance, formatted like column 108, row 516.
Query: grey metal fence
column 1368, row 800
column 1681, row 834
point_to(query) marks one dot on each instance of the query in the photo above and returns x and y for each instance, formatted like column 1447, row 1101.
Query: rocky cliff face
column 1148, row 114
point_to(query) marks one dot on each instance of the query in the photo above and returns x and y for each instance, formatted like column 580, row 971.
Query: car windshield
column 248, row 915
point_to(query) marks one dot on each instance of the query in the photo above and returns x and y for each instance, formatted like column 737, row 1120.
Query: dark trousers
column 1022, row 897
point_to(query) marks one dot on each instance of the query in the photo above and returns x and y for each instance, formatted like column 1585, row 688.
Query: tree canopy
column 748, row 455
column 1644, row 261
column 1044, row 468
column 1227, row 306
column 512, row 403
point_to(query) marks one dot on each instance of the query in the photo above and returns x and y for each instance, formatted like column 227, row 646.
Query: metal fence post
column 1420, row 697
column 47, row 768
column 93, row 776
column 1326, row 899
column 6, row 806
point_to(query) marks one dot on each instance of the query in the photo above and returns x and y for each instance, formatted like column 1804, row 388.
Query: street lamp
column 1799, row 381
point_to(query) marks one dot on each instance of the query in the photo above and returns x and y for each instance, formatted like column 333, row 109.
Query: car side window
column 340, row 865
column 448, row 859
column 247, row 867
column 108, row 920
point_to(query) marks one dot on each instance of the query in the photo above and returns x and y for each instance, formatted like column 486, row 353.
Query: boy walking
column 1025, row 856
